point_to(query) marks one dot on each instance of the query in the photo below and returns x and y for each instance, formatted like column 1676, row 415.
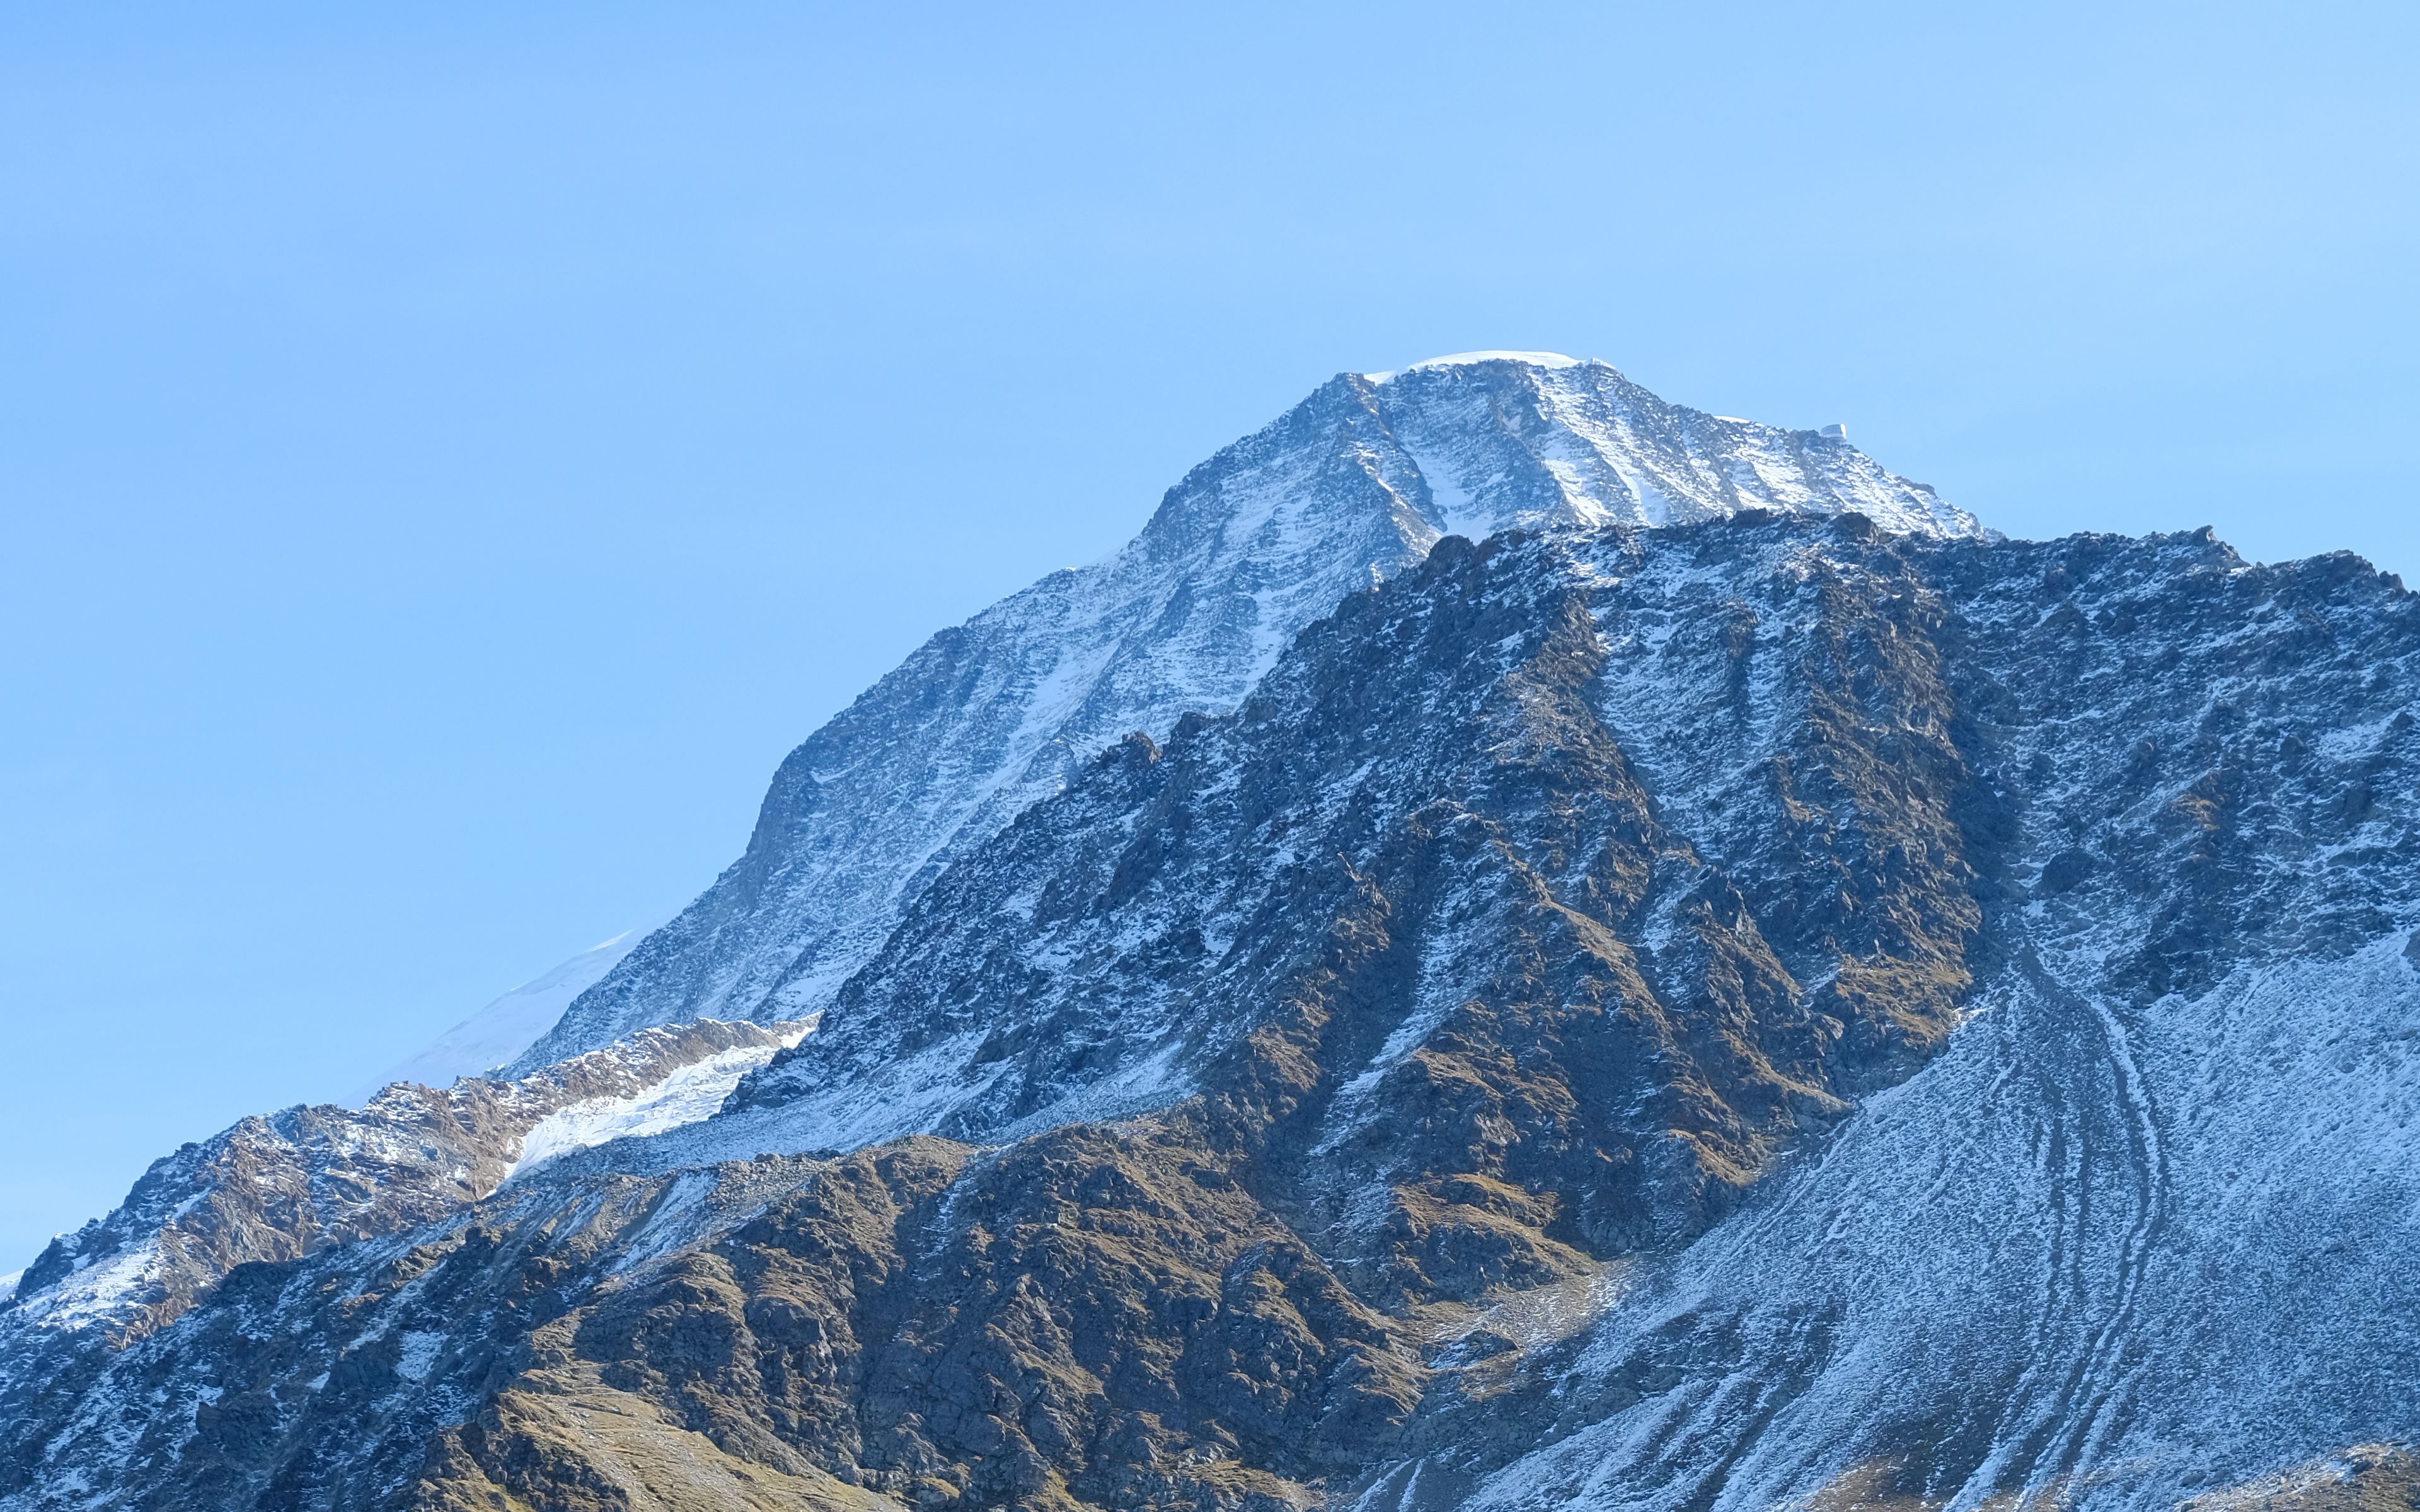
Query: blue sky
column 447, row 458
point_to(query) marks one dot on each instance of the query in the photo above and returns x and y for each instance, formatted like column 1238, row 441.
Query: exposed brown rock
column 287, row 1185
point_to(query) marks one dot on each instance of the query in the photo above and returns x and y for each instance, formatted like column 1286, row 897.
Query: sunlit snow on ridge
column 1467, row 358
column 93, row 1291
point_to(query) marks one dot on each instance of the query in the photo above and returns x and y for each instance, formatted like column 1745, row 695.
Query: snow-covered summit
column 1467, row 358
column 1536, row 438
column 1348, row 487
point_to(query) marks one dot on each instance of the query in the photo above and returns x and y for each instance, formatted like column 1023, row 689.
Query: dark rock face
column 1089, row 1317
column 1767, row 1010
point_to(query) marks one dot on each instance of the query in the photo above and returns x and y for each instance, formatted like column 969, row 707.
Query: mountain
column 1350, row 487
column 499, row 1032
column 1764, row 1011
column 1769, row 1008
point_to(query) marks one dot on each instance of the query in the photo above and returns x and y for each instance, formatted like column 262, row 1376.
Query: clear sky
column 448, row 453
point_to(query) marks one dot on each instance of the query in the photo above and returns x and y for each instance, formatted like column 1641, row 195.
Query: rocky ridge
column 1350, row 487
column 296, row 1181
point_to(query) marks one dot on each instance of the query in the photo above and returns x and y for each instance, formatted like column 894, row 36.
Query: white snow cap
column 1467, row 358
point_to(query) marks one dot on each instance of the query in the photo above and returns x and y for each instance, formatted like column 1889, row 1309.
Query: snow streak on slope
column 693, row 1092
column 1352, row 485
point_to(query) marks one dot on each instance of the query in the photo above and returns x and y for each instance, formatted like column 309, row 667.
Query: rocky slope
column 1431, row 775
column 1350, row 487
column 1766, row 1009
column 2146, row 1231
column 293, row 1182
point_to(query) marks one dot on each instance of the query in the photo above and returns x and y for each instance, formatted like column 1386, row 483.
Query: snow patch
column 693, row 1092
column 93, row 1291
column 416, row 1353
column 2252, row 1161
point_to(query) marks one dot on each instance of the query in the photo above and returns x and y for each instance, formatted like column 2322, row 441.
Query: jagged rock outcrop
column 2139, row 1234
column 1414, row 910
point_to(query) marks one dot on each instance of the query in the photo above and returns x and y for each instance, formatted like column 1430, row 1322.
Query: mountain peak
column 1350, row 487
column 1522, row 946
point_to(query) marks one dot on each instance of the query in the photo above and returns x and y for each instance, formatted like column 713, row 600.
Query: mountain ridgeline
column 1350, row 487
column 1693, row 978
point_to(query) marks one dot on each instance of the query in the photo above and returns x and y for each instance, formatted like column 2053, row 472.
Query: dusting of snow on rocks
column 1739, row 991
column 292, row 1183
column 1352, row 485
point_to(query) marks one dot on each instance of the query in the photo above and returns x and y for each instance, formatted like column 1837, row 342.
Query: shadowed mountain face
column 1766, row 1009
column 1351, row 486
